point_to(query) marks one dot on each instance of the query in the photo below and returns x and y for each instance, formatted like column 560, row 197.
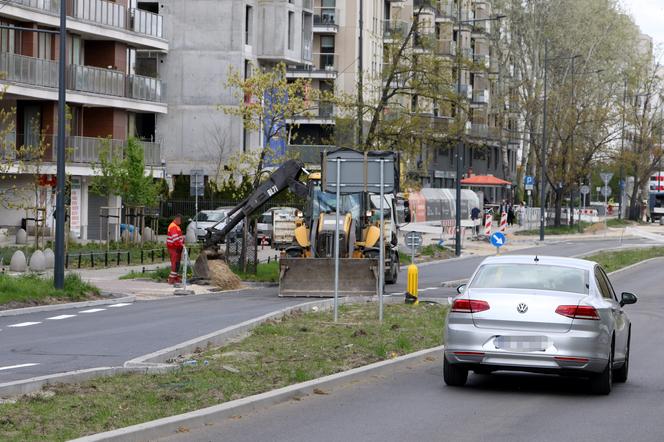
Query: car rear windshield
column 210, row 216
column 531, row 276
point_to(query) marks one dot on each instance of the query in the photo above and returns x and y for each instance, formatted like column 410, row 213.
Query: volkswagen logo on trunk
column 522, row 308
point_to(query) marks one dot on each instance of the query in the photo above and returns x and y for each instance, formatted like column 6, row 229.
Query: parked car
column 539, row 314
column 208, row 218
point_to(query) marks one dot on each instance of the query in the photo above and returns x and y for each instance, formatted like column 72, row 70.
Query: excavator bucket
column 314, row 277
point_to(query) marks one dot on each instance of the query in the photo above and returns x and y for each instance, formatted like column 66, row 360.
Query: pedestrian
column 510, row 215
column 175, row 245
column 475, row 216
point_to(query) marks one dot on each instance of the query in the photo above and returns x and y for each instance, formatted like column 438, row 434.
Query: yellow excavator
column 307, row 265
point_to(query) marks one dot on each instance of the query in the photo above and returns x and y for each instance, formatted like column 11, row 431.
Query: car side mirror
column 461, row 288
column 627, row 298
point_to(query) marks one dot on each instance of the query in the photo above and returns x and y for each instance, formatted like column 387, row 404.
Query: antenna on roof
column 536, row 258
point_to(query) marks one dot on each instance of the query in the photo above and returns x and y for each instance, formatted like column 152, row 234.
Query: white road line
column 121, row 304
column 93, row 310
column 24, row 324
column 428, row 288
column 9, row 367
column 57, row 318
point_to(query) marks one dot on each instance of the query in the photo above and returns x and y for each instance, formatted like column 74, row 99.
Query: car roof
column 541, row 259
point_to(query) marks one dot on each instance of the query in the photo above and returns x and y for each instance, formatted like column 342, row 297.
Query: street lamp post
column 621, row 184
column 460, row 146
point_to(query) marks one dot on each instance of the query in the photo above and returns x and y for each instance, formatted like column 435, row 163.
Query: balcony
column 325, row 67
column 318, row 112
column 308, row 4
column 466, row 90
column 326, row 20
column 103, row 13
column 309, row 153
column 446, row 47
column 395, row 29
column 478, row 130
column 44, row 73
column 481, row 97
column 481, row 61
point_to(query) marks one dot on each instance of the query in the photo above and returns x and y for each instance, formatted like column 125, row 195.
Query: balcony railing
column 104, row 13
column 482, row 60
column 317, row 110
column 146, row 22
column 307, row 53
column 308, row 153
column 44, row 73
column 145, row 88
column 29, row 70
column 395, row 29
column 446, row 47
column 326, row 17
column 481, row 96
column 96, row 80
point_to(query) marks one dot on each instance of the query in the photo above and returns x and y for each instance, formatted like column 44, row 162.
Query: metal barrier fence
column 110, row 258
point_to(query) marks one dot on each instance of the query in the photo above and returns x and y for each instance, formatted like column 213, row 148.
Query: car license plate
column 521, row 343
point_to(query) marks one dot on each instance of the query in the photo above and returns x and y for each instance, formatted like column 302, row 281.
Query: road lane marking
column 57, row 318
column 9, row 367
column 24, row 324
column 428, row 288
column 121, row 304
column 93, row 310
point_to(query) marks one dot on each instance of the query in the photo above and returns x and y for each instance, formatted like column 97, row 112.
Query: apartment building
column 206, row 40
column 110, row 94
column 489, row 128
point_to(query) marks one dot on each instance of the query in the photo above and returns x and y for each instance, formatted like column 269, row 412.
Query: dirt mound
column 222, row 276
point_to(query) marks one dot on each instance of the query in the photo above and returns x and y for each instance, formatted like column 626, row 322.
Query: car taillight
column 578, row 312
column 469, row 306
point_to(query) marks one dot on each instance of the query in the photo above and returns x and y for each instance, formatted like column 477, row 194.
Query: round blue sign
column 498, row 239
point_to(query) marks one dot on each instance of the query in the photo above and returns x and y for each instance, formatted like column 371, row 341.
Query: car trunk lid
column 523, row 309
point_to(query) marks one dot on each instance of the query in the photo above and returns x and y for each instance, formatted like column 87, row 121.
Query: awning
column 484, row 180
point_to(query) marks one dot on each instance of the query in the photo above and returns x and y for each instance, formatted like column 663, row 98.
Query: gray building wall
column 207, row 38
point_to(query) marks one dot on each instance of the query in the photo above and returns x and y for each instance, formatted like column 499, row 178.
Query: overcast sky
column 649, row 15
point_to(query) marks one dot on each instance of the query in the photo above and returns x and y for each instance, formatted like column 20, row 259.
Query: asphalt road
column 414, row 404
column 48, row 343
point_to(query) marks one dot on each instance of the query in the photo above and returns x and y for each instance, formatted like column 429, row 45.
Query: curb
column 169, row 425
column 631, row 266
column 65, row 306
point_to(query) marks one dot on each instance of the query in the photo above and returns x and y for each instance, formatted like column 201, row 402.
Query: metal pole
column 381, row 266
column 543, row 149
column 459, row 149
column 336, row 244
column 622, row 151
column 360, row 72
column 571, row 200
column 59, row 267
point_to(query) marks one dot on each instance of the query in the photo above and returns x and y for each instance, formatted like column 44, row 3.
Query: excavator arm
column 285, row 177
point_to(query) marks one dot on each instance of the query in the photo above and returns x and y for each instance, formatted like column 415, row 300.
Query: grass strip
column 267, row 272
column 32, row 289
column 298, row 348
column 560, row 230
column 612, row 261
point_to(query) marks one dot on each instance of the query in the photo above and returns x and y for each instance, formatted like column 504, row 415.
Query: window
column 531, row 277
column 291, row 30
column 75, row 54
column 44, row 46
column 7, row 39
column 248, row 24
column 327, row 52
column 604, row 285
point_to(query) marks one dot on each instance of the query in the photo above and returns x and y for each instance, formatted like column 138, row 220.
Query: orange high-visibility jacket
column 175, row 239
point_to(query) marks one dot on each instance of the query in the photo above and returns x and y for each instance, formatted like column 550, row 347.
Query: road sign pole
column 336, row 244
column 381, row 267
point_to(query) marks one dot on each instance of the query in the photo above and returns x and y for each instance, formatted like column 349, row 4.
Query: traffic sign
column 606, row 177
column 196, row 182
column 413, row 240
column 528, row 182
column 585, row 190
column 606, row 191
column 498, row 239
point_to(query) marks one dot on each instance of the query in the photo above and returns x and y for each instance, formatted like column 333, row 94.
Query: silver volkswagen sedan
column 539, row 314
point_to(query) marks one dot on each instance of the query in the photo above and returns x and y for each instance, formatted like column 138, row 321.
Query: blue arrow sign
column 498, row 239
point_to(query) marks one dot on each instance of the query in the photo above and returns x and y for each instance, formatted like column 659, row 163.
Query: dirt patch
column 222, row 276
column 597, row 227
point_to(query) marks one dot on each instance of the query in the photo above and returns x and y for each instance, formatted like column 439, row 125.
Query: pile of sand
column 222, row 276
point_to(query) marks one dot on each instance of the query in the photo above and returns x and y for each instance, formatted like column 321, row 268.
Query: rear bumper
column 571, row 352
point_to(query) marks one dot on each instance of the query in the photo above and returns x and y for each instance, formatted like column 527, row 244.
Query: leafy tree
column 122, row 172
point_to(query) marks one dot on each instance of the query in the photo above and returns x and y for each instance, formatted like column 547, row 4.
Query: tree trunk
column 634, row 211
column 558, row 207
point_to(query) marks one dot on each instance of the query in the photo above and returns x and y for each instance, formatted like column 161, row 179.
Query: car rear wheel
column 601, row 383
column 621, row 374
column 454, row 375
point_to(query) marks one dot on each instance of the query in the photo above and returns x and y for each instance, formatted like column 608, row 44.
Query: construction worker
column 175, row 244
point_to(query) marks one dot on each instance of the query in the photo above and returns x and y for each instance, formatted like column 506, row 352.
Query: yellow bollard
column 411, row 287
